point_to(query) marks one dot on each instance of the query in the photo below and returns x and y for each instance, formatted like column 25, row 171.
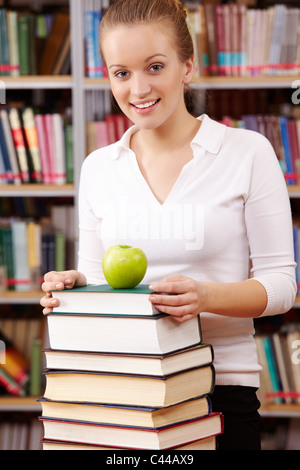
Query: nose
column 140, row 85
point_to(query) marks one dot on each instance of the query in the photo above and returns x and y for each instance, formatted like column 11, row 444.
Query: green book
column 103, row 299
column 60, row 251
column 69, row 153
column 36, row 368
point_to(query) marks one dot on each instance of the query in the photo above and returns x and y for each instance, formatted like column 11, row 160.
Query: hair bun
column 180, row 7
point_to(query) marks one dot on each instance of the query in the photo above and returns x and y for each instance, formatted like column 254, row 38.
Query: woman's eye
column 121, row 74
column 156, row 67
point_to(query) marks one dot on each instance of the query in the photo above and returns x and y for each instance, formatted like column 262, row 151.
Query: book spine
column 19, row 144
column 246, row 41
column 32, row 143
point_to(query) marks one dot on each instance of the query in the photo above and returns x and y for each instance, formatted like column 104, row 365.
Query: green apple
column 124, row 266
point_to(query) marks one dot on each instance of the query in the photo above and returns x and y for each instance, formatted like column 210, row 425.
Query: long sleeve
column 269, row 230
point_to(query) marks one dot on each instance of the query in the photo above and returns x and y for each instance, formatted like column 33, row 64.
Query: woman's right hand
column 59, row 280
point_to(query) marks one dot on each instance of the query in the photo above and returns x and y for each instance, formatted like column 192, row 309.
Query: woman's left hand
column 179, row 296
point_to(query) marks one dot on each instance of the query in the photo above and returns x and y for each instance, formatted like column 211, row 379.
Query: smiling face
column 147, row 77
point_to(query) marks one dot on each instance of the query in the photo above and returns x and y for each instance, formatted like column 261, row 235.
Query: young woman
column 207, row 204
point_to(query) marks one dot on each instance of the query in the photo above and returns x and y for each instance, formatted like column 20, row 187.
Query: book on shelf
column 278, row 355
column 94, row 66
column 57, row 40
column 20, row 246
column 6, row 175
column 14, row 370
column 10, row 385
column 150, row 364
column 31, row 142
column 29, row 248
column 208, row 443
column 102, row 133
column 35, row 147
column 141, row 416
column 283, row 133
column 165, row 437
column 34, row 43
column 7, row 146
column 242, row 41
column 19, row 143
column 20, row 431
column 7, row 254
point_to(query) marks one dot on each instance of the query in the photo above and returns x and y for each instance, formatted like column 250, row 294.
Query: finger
column 60, row 279
column 57, row 285
column 175, row 300
column 47, row 310
column 176, row 311
column 170, row 287
column 49, row 302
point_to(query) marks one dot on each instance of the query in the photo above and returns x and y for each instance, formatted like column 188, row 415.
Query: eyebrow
column 146, row 60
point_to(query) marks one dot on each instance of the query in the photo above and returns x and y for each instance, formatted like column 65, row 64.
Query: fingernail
column 59, row 285
column 53, row 302
column 68, row 281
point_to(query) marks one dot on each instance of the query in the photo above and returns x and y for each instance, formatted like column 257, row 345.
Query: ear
column 189, row 70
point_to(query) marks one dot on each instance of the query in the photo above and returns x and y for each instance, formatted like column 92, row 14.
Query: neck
column 170, row 136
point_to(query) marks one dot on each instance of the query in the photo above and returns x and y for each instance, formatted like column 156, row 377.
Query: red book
column 19, row 143
column 44, row 150
column 294, row 145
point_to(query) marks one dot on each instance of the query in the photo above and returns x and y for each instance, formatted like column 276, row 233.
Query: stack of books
column 121, row 375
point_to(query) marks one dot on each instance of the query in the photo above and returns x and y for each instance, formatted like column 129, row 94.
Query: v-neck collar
column 209, row 139
column 176, row 188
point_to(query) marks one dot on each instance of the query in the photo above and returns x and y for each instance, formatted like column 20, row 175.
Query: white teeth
column 145, row 105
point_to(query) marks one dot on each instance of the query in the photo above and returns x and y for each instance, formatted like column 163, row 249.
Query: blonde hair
column 170, row 12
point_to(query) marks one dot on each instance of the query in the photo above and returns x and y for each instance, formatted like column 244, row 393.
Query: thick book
column 156, row 334
column 148, row 417
column 166, row 437
column 126, row 389
column 207, row 443
column 104, row 299
column 149, row 364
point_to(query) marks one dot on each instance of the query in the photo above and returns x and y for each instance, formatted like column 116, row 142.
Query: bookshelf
column 79, row 87
column 46, row 82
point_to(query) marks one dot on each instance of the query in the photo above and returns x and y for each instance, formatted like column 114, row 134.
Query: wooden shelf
column 41, row 190
column 13, row 297
column 38, row 82
column 294, row 191
column 244, row 82
column 281, row 410
column 215, row 82
column 8, row 403
column 12, row 190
